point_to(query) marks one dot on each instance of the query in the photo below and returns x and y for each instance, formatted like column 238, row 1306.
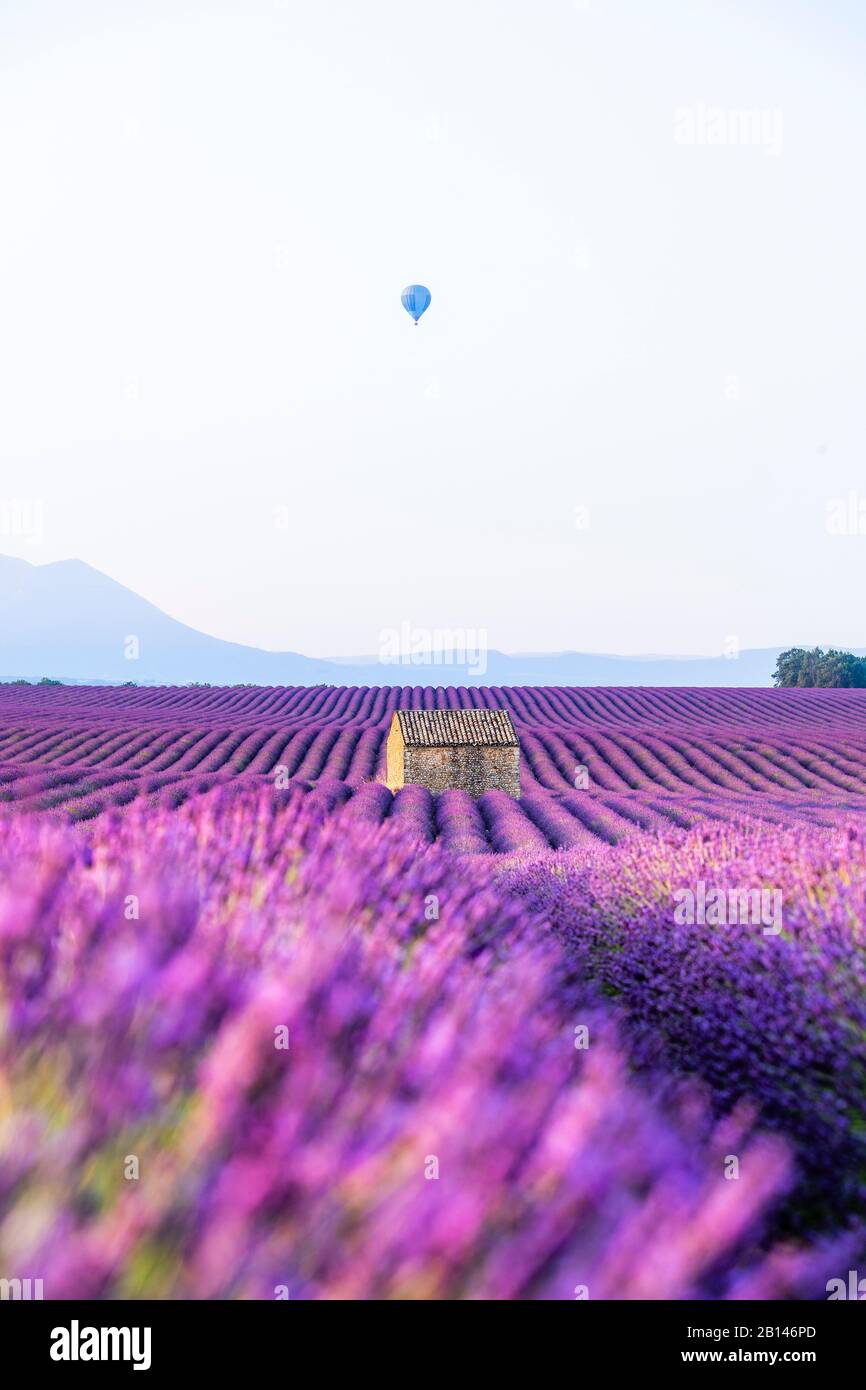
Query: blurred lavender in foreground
column 239, row 1057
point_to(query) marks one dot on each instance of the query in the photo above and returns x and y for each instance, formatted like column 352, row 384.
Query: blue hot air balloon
column 415, row 299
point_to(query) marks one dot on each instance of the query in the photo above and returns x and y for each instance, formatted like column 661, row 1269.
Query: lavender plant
column 256, row 1047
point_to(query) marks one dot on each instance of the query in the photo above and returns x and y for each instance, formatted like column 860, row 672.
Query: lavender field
column 596, row 763
column 269, row 1031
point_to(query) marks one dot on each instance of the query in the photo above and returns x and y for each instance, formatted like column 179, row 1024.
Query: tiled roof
column 444, row 728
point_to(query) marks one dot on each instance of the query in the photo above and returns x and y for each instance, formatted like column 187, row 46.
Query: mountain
column 69, row 621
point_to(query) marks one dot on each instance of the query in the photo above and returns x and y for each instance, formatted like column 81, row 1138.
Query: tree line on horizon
column 804, row 668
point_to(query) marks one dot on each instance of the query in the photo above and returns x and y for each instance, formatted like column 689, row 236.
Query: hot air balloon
column 415, row 299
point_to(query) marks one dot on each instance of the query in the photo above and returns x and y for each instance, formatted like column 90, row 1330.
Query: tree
column 797, row 667
column 842, row 669
column 816, row 668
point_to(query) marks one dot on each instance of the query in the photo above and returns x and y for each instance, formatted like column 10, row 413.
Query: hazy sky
column 619, row 426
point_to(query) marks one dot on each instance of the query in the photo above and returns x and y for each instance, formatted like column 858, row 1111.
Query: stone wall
column 474, row 769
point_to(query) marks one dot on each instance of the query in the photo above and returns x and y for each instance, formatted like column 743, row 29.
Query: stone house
column 474, row 749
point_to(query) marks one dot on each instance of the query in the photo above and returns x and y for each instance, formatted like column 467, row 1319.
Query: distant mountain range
column 69, row 621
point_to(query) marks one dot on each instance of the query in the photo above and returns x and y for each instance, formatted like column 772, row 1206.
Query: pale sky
column 619, row 426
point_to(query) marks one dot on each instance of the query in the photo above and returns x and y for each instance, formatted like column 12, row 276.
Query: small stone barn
column 474, row 749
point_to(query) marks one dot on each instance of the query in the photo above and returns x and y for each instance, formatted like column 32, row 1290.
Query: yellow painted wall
column 394, row 757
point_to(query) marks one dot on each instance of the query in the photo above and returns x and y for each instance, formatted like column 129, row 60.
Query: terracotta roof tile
column 445, row 728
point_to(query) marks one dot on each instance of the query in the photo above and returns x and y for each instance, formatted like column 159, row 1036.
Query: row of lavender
column 716, row 743
column 736, row 952
column 552, row 759
column 833, row 711
column 495, row 823
column 258, row 1048
column 615, row 759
